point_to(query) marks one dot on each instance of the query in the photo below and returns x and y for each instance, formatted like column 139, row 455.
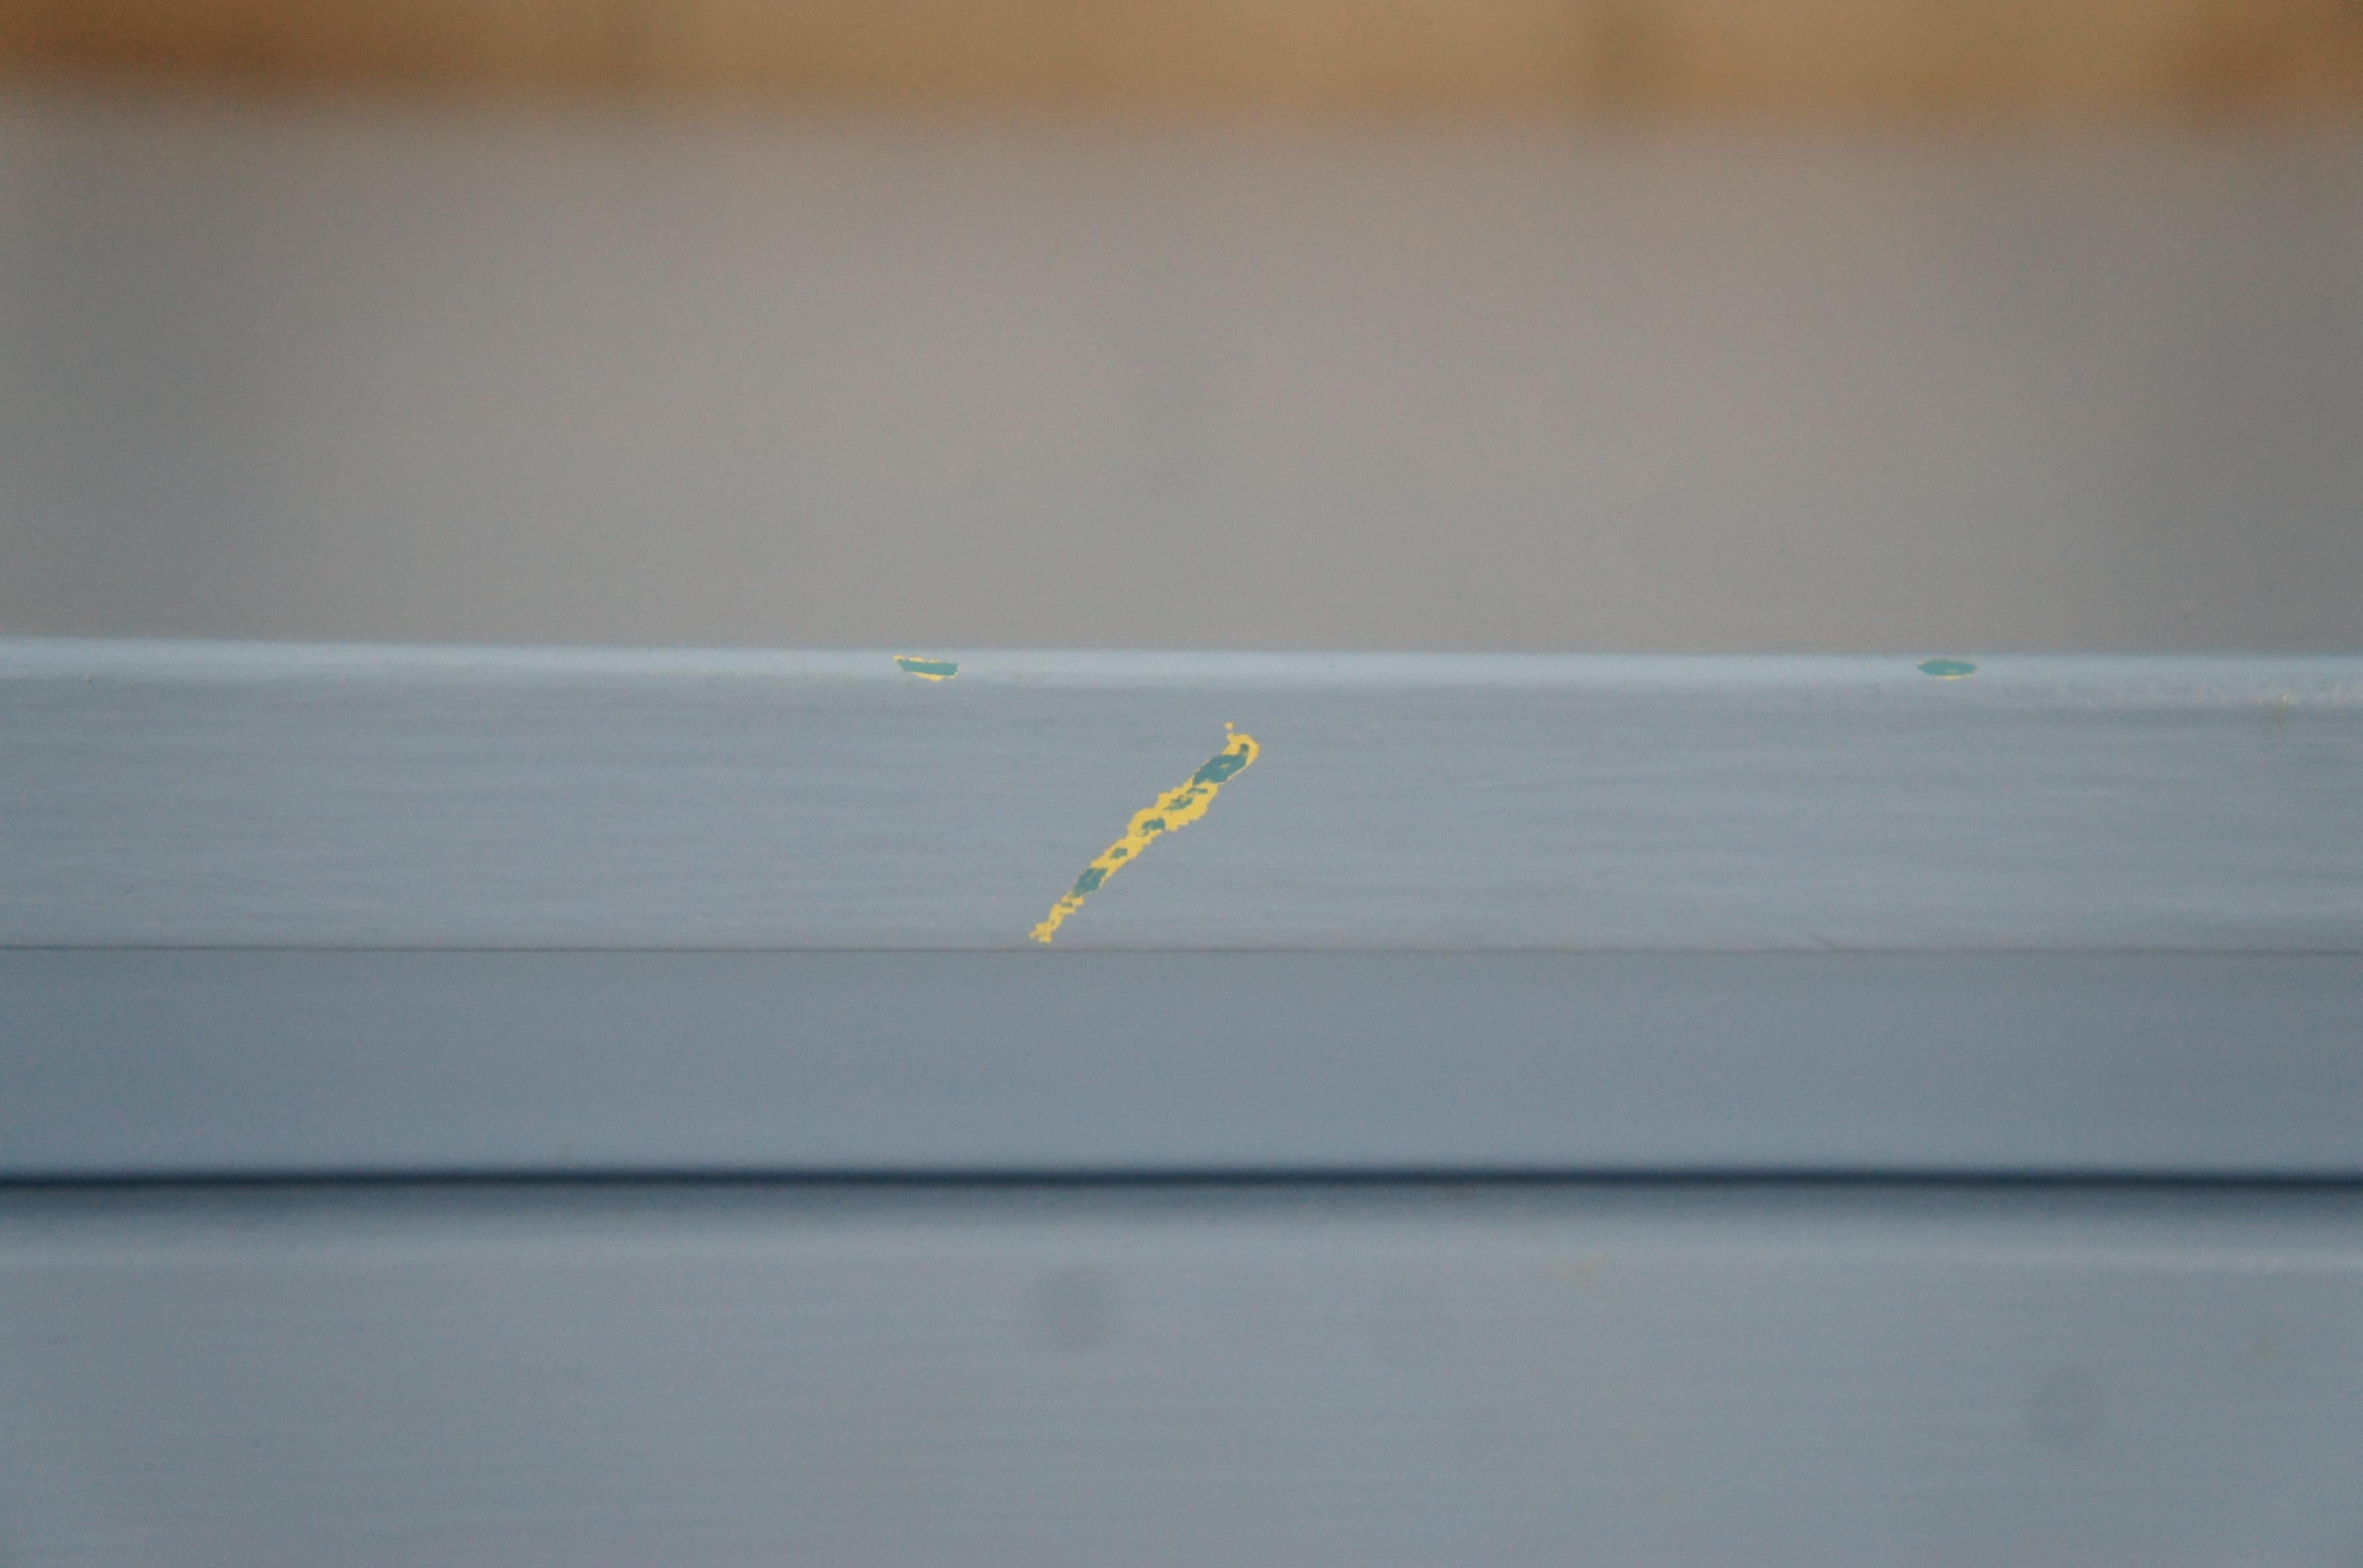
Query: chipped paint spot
column 1176, row 807
column 927, row 668
column 1947, row 669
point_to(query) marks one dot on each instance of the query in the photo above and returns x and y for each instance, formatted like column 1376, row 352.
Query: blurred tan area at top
column 1797, row 60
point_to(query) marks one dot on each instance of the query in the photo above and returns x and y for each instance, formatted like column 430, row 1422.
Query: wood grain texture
column 1503, row 1375
column 269, row 796
column 1791, row 58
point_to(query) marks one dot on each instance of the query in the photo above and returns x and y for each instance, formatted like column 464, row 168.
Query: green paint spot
column 931, row 668
column 1220, row 768
column 1946, row 668
column 1089, row 882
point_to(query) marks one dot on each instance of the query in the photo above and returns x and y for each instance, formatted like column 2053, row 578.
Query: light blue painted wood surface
column 769, row 912
column 529, row 1377
column 260, row 1063
column 257, row 795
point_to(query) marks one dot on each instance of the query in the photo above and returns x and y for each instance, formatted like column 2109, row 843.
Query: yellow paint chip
column 1176, row 807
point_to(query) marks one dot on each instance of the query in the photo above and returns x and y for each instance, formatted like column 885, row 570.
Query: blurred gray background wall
column 594, row 371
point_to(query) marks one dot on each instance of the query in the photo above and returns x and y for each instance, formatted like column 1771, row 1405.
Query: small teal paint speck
column 1947, row 669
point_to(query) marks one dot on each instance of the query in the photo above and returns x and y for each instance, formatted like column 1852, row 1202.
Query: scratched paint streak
column 1176, row 807
column 927, row 668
